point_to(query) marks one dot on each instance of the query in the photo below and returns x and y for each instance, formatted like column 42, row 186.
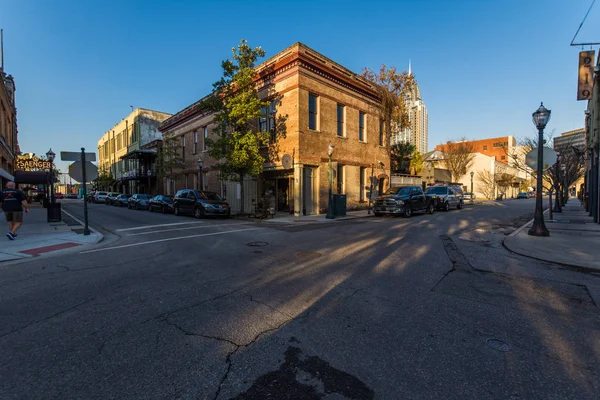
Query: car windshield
column 403, row 191
column 167, row 199
column 209, row 196
column 143, row 197
column 437, row 190
column 101, row 193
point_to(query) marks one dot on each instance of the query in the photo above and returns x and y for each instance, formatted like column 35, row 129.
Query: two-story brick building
column 500, row 148
column 9, row 147
column 325, row 103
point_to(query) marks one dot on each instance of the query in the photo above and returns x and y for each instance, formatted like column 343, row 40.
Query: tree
column 105, row 177
column 169, row 161
column 487, row 184
column 241, row 141
column 400, row 156
column 392, row 88
column 458, row 157
column 416, row 163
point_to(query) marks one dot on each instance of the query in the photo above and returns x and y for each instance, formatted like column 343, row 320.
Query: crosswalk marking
column 184, row 229
column 137, row 228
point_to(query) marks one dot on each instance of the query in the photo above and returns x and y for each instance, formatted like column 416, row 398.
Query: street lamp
column 201, row 180
column 330, row 214
column 540, row 118
column 471, row 200
column 50, row 156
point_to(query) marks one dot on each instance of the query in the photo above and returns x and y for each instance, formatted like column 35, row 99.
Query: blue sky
column 482, row 66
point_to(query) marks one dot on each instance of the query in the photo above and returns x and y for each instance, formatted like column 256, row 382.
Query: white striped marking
column 168, row 240
column 185, row 229
column 137, row 228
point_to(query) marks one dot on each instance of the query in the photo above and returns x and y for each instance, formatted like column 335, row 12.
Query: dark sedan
column 161, row 203
column 138, row 201
column 200, row 204
column 122, row 200
column 110, row 198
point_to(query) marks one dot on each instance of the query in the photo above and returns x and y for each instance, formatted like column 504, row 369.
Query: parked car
column 446, row 197
column 522, row 195
column 100, row 197
column 200, row 204
column 58, row 195
column 161, row 203
column 122, row 200
column 403, row 200
column 72, row 196
column 469, row 196
column 110, row 197
column 530, row 194
column 138, row 201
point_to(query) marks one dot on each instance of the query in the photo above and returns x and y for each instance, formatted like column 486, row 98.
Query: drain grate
column 308, row 255
column 257, row 244
column 498, row 345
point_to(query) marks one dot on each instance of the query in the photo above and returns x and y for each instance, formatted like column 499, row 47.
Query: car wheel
column 164, row 209
column 150, row 208
column 129, row 206
column 431, row 208
column 407, row 211
column 176, row 210
column 199, row 212
column 446, row 206
column 460, row 205
column 137, row 206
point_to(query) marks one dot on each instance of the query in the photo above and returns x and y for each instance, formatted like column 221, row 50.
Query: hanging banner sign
column 26, row 163
column 585, row 78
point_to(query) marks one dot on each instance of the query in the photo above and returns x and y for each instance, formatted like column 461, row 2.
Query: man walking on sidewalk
column 13, row 200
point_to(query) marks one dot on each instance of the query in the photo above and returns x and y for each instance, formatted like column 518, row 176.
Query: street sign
column 549, row 158
column 76, row 156
column 76, row 171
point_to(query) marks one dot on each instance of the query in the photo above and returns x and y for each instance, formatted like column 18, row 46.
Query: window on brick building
column 484, row 147
column 381, row 132
column 340, row 179
column 183, row 147
column 313, row 110
column 341, row 110
column 361, row 126
column 195, row 142
column 204, row 138
column 503, row 157
column 268, row 120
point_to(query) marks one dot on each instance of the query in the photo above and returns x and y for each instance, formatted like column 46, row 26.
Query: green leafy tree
column 105, row 177
column 169, row 162
column 416, row 163
column 400, row 156
column 242, row 145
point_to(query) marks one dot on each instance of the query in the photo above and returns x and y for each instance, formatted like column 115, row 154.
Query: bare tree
column 459, row 157
column 486, row 184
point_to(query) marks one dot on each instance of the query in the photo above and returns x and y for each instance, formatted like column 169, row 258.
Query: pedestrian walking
column 13, row 201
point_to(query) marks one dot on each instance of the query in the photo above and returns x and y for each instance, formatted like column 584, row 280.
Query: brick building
column 324, row 103
column 499, row 147
column 9, row 147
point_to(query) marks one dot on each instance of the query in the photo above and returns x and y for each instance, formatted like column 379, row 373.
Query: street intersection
column 388, row 308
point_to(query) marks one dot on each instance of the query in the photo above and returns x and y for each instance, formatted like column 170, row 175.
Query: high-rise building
column 417, row 134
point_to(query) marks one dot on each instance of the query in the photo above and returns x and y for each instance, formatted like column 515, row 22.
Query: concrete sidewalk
column 37, row 237
column 574, row 239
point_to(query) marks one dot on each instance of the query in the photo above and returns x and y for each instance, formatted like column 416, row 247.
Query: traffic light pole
column 86, row 229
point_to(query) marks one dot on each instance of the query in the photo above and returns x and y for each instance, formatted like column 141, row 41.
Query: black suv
column 403, row 200
column 200, row 204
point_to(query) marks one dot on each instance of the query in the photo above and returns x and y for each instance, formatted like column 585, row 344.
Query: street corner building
column 325, row 103
column 127, row 153
column 9, row 147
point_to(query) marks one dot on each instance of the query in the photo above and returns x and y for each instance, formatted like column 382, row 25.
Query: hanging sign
column 585, row 78
column 33, row 163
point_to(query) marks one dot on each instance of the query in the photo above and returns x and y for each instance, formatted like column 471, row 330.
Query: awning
column 4, row 174
column 135, row 153
column 32, row 177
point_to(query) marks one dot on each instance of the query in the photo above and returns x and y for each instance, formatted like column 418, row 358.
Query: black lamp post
column 540, row 118
column 330, row 214
column 557, row 207
column 472, row 201
column 201, row 180
column 50, row 156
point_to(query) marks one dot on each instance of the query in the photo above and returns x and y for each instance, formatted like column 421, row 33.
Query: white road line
column 137, row 228
column 184, row 229
column 168, row 240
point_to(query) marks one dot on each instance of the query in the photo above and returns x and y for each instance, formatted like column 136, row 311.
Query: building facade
column 500, row 148
column 592, row 139
column 120, row 153
column 418, row 132
column 325, row 104
column 9, row 147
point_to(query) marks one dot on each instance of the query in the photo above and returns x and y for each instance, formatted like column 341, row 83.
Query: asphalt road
column 388, row 308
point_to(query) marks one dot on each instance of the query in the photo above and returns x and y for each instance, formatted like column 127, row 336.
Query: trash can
column 54, row 212
column 339, row 205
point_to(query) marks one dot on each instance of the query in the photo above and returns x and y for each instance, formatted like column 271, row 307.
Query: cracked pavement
column 392, row 308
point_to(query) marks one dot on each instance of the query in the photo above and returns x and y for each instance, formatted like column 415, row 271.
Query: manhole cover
column 257, row 244
column 308, row 255
column 498, row 345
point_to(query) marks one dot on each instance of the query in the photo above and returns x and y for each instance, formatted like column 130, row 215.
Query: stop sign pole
column 86, row 229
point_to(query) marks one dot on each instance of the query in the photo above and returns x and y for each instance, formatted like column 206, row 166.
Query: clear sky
column 482, row 66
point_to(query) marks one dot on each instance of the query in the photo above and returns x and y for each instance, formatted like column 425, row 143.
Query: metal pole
column 86, row 229
column 472, row 194
column 330, row 214
column 539, row 227
column 371, row 191
column 557, row 208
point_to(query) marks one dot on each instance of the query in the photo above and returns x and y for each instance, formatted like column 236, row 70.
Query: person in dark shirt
column 13, row 200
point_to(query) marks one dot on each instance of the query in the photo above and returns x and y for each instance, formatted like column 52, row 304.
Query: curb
column 101, row 236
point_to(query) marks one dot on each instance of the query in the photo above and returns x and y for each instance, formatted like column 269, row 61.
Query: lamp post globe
column 330, row 213
column 50, row 155
column 540, row 119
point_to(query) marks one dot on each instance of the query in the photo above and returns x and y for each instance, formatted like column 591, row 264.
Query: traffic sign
column 76, row 171
column 76, row 156
column 548, row 154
